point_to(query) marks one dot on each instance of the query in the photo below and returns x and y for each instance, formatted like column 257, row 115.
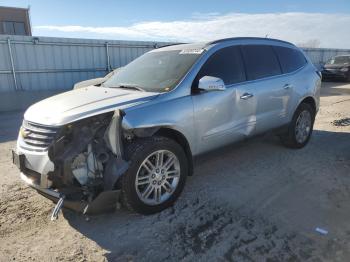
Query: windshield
column 339, row 60
column 157, row 71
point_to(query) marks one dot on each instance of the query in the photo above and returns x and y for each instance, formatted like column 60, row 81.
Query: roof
column 247, row 38
column 181, row 47
column 202, row 45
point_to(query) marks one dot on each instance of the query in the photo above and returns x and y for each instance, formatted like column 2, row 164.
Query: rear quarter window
column 290, row 59
column 260, row 61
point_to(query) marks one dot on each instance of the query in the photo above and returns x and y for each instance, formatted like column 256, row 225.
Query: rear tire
column 300, row 128
column 150, row 185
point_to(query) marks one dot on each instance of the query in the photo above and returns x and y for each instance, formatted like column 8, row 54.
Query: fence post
column 12, row 64
column 108, row 60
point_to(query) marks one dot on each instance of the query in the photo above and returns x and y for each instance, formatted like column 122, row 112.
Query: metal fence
column 47, row 63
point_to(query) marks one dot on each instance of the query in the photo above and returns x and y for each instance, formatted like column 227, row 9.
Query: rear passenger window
column 260, row 61
column 226, row 64
column 290, row 59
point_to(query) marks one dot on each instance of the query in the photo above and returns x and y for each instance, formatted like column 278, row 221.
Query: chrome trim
column 246, row 96
column 37, row 137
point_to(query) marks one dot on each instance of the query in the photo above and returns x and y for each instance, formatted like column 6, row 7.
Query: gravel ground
column 255, row 200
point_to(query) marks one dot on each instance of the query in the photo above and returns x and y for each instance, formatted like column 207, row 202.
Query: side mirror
column 210, row 83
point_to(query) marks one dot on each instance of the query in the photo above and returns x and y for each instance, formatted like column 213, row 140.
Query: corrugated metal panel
column 48, row 63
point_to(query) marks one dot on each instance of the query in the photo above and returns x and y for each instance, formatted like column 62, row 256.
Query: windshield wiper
column 126, row 86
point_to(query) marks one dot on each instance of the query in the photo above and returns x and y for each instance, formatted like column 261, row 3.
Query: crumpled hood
column 81, row 103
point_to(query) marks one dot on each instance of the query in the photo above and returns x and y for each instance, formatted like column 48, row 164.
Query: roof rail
column 246, row 38
column 157, row 46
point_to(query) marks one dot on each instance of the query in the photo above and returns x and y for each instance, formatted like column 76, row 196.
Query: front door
column 222, row 117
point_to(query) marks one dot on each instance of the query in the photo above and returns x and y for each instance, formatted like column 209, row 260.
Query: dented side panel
column 220, row 118
column 176, row 114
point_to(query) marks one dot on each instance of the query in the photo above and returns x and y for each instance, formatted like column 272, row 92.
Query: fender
column 173, row 114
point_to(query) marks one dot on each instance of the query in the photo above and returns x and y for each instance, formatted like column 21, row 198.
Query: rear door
column 291, row 61
column 266, row 85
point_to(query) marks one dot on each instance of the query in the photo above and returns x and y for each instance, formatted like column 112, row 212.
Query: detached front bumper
column 54, row 195
column 29, row 163
column 34, row 167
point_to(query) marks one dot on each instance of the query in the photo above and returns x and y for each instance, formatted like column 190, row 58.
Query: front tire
column 156, row 176
column 300, row 128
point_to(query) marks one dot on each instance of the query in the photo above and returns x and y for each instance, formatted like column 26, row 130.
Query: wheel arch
column 310, row 101
column 181, row 140
column 170, row 133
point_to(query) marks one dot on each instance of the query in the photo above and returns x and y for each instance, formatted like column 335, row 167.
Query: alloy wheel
column 303, row 126
column 157, row 177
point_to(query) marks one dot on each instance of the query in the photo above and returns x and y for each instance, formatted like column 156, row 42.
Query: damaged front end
column 87, row 157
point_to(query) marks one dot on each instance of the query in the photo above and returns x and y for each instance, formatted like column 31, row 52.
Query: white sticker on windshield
column 191, row 51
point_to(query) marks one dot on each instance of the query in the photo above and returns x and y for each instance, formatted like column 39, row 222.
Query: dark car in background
column 337, row 67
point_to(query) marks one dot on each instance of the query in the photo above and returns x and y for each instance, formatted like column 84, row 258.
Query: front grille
column 38, row 136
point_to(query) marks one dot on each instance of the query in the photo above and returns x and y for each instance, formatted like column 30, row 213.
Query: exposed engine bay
column 88, row 160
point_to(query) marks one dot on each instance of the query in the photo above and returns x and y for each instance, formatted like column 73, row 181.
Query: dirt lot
column 256, row 200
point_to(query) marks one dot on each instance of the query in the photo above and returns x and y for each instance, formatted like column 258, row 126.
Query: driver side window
column 226, row 64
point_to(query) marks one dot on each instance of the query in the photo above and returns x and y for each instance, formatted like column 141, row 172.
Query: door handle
column 287, row 86
column 246, row 96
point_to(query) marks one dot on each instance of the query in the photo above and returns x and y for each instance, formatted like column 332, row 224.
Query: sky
column 315, row 23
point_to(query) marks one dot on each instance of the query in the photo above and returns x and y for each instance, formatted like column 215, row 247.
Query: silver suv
column 132, row 140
